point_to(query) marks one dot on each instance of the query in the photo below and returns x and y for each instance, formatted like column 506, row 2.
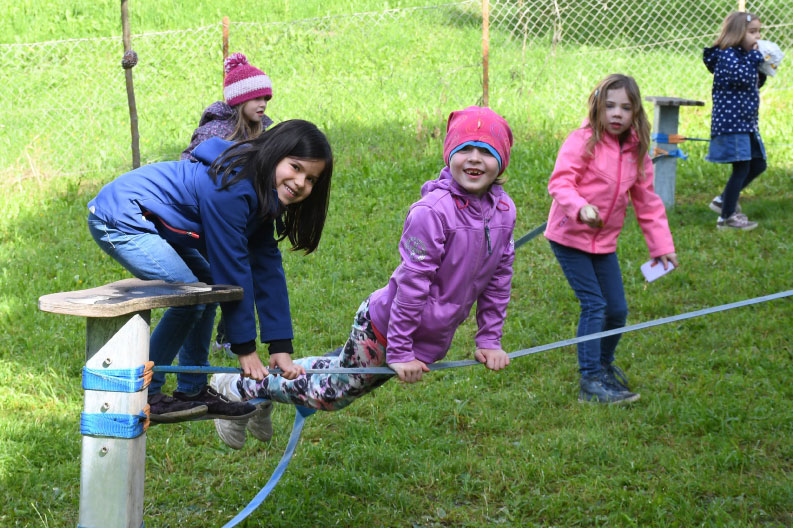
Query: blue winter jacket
column 185, row 207
column 736, row 98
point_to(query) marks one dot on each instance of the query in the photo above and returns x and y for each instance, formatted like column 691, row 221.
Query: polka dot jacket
column 736, row 82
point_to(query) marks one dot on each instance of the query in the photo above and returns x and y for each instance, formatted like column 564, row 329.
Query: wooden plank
column 135, row 295
column 673, row 101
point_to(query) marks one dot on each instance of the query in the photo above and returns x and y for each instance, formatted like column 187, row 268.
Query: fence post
column 225, row 44
column 485, row 51
column 742, row 6
column 128, row 62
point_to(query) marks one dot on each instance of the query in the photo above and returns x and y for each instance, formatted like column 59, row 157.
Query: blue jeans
column 597, row 283
column 183, row 330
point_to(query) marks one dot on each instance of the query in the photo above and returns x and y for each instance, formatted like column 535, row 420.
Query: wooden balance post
column 118, row 316
column 665, row 122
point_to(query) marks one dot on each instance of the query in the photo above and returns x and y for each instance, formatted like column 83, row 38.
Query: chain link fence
column 64, row 105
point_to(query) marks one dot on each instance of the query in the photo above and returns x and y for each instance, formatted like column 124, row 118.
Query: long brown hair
column 243, row 129
column 639, row 122
column 733, row 29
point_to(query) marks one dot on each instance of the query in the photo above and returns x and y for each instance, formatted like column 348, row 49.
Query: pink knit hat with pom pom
column 243, row 82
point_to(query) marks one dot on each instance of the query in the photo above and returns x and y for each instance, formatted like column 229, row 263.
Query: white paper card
column 653, row 272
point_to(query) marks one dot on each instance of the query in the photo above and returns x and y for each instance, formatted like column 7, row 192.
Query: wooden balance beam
column 118, row 317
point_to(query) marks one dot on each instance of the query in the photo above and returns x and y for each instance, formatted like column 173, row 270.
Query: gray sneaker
column 595, row 390
column 736, row 221
column 716, row 204
column 261, row 425
column 614, row 377
column 231, row 432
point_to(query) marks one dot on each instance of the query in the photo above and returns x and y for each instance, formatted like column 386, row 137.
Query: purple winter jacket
column 218, row 120
column 456, row 249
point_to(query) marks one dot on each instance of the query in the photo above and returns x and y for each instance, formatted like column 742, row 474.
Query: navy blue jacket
column 736, row 98
column 190, row 210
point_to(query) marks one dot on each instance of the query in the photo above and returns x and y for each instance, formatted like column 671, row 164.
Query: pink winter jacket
column 608, row 180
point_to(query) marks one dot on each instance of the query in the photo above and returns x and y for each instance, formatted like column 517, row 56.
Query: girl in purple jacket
column 456, row 250
column 601, row 166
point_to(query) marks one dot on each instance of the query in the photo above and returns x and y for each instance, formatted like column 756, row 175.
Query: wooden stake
column 130, row 59
column 225, row 44
column 485, row 51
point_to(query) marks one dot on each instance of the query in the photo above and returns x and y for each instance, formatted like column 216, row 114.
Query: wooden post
column 485, row 51
column 112, row 470
column 742, row 6
column 666, row 114
column 129, row 61
column 225, row 45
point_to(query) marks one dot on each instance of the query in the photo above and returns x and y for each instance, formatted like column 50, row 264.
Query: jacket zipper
column 487, row 236
column 192, row 234
column 614, row 197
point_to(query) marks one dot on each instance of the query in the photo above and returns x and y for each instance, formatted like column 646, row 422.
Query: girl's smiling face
column 295, row 178
column 751, row 36
column 474, row 169
column 253, row 109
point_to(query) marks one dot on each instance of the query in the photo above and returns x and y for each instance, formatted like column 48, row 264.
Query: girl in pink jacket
column 456, row 250
column 600, row 167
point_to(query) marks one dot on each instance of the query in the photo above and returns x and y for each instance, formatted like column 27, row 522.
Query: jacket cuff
column 243, row 349
column 280, row 346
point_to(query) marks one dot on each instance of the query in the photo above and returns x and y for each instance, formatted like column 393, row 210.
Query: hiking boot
column 614, row 377
column 166, row 409
column 219, row 406
column 736, row 221
column 595, row 390
column 716, row 204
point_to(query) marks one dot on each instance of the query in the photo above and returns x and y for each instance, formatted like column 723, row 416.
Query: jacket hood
column 217, row 111
column 208, row 151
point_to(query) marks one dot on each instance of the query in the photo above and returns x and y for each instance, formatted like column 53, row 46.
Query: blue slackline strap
column 117, row 380
column 469, row 362
column 531, row 234
column 113, row 425
column 301, row 413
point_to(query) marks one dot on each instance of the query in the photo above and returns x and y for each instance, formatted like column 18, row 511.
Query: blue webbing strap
column 301, row 413
column 118, row 380
column 114, row 425
column 541, row 348
column 531, row 234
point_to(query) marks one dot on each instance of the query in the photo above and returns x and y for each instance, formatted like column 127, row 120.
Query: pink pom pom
column 234, row 60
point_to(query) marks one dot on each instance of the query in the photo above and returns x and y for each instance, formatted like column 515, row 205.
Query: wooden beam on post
column 128, row 62
column 485, row 51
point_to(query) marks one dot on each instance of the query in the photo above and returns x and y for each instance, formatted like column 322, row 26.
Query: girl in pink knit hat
column 246, row 91
column 241, row 116
column 456, row 250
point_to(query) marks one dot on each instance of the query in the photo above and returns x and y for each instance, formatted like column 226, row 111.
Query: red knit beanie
column 477, row 123
column 243, row 82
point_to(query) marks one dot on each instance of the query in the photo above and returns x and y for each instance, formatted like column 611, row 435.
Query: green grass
column 709, row 444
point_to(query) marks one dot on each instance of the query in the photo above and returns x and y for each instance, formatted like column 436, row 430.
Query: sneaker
column 219, row 406
column 232, row 432
column 595, row 390
column 736, row 221
column 166, row 409
column 716, row 203
column 261, row 424
column 614, row 377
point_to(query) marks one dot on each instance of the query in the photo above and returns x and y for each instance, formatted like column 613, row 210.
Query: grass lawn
column 710, row 443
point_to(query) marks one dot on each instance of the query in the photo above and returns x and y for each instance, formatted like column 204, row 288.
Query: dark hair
column 256, row 160
column 639, row 121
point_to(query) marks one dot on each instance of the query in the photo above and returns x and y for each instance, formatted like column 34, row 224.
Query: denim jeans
column 597, row 283
column 185, row 330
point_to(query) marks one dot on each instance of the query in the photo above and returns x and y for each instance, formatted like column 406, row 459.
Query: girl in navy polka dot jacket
column 735, row 136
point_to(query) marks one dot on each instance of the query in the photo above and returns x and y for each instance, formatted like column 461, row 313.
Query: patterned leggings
column 328, row 392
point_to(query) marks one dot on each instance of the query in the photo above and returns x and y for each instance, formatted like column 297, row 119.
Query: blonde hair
column 733, row 29
column 243, row 129
column 639, row 121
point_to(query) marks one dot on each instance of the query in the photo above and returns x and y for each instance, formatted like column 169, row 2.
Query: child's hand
column 669, row 257
column 590, row 215
column 411, row 371
column 283, row 361
column 252, row 366
column 493, row 358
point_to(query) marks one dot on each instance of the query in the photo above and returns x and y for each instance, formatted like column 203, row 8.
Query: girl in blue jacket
column 456, row 250
column 218, row 220
column 735, row 135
